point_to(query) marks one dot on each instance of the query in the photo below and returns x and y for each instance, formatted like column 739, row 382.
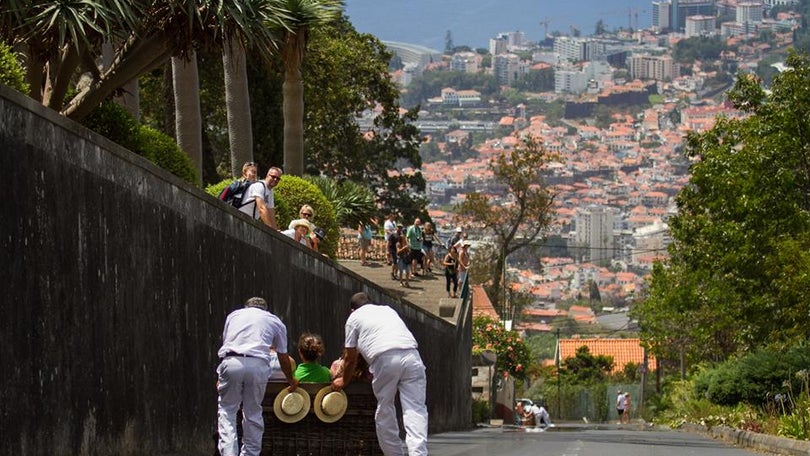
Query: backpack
column 234, row 193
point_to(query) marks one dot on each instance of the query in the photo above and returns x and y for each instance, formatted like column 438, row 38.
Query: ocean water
column 474, row 22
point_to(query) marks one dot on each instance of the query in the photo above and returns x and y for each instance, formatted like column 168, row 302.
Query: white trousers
column 403, row 371
column 242, row 380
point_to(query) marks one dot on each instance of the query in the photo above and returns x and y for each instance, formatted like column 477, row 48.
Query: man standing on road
column 243, row 372
column 379, row 334
column 260, row 202
column 620, row 406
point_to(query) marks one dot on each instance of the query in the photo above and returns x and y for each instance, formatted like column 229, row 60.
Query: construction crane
column 545, row 23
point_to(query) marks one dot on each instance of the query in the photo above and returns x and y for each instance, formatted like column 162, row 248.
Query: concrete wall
column 116, row 281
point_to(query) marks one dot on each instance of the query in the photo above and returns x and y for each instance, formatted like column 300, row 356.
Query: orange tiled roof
column 623, row 351
column 481, row 303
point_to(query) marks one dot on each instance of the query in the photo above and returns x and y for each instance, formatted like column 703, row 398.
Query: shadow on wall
column 117, row 280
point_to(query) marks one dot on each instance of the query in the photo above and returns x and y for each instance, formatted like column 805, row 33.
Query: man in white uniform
column 379, row 334
column 541, row 416
column 242, row 375
column 259, row 201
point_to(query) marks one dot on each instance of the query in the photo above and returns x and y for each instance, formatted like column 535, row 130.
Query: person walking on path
column 364, row 237
column 450, row 263
column 378, row 334
column 242, row 374
column 626, row 412
column 620, row 406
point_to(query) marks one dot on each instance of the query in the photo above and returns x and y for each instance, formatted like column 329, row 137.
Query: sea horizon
column 473, row 22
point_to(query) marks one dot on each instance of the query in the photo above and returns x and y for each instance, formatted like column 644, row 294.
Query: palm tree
column 64, row 39
column 187, row 118
column 237, row 102
column 303, row 15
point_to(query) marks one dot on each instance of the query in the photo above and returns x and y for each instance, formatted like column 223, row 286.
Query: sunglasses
column 275, row 177
column 306, row 214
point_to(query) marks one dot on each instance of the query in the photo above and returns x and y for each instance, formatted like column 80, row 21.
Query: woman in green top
column 310, row 348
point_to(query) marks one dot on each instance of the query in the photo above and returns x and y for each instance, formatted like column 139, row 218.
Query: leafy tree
column 11, row 74
column 345, row 76
column 513, row 356
column 698, row 48
column 584, row 367
column 600, row 29
column 521, row 215
column 736, row 273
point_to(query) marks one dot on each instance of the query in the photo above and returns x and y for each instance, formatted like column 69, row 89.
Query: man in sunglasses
column 260, row 200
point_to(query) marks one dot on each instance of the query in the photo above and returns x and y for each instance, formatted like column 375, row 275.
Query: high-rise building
column 749, row 12
column 508, row 68
column 594, row 229
column 657, row 67
column 681, row 9
column 662, row 15
column 576, row 49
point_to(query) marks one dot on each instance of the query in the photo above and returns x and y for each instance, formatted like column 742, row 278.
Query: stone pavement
column 427, row 292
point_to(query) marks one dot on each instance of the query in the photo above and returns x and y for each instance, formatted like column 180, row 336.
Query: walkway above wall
column 426, row 292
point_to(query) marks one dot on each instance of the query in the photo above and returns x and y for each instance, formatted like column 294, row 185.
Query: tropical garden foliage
column 737, row 274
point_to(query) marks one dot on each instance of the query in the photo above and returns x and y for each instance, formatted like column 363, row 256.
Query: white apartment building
column 467, row 62
column 657, row 67
column 594, row 229
column 508, row 68
column 575, row 80
column 749, row 12
column 568, row 79
column 576, row 49
column 700, row 26
column 498, row 45
column 650, row 240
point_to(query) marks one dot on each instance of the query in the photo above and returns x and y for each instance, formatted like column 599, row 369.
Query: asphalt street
column 579, row 441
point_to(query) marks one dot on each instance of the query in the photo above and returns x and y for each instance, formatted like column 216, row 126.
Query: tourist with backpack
column 259, row 202
column 234, row 193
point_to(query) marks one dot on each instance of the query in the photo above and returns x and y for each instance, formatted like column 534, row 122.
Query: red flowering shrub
column 513, row 354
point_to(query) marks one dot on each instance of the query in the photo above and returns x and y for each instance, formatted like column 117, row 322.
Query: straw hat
column 300, row 222
column 330, row 405
column 291, row 407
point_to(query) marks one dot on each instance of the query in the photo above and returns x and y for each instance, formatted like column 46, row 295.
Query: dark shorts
column 620, row 411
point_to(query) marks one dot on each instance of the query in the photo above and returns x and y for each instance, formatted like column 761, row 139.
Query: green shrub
column 292, row 193
column 11, row 73
column 115, row 123
column 753, row 377
column 215, row 189
column 160, row 149
column 480, row 411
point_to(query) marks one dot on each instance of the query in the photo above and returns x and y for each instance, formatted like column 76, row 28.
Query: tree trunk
column 237, row 102
column 130, row 99
column 293, row 91
column 188, row 120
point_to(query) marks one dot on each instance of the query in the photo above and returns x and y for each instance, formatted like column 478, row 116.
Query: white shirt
column 257, row 190
column 252, row 331
column 390, row 227
column 375, row 329
column 291, row 234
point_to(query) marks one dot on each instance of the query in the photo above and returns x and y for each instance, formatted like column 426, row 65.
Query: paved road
column 575, row 441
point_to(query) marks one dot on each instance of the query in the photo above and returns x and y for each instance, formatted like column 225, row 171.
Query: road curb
column 748, row 439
